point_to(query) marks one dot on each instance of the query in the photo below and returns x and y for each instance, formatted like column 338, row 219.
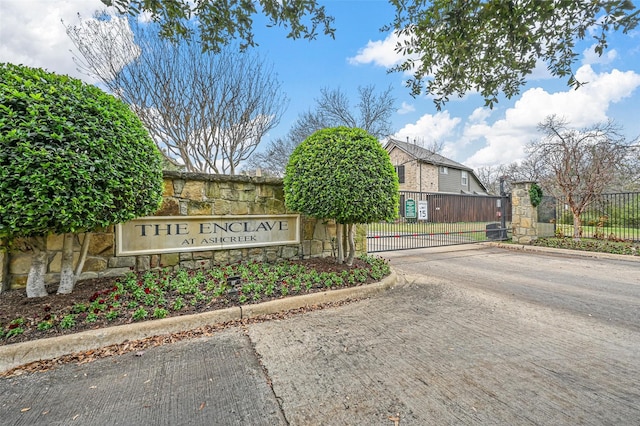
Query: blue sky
column 31, row 33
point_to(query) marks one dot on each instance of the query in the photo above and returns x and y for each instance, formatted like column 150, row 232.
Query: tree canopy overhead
column 490, row 46
column 452, row 47
column 220, row 21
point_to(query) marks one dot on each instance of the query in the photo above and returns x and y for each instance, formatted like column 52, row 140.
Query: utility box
column 495, row 232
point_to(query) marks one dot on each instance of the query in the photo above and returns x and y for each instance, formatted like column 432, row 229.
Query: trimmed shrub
column 343, row 174
column 72, row 158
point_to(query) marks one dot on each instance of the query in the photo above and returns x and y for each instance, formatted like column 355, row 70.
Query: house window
column 444, row 170
column 400, row 172
column 465, row 179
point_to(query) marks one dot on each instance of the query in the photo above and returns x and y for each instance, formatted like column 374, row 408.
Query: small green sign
column 410, row 209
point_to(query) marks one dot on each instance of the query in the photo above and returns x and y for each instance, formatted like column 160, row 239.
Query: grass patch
column 600, row 232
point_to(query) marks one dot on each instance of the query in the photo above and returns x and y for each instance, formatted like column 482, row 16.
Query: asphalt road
column 470, row 336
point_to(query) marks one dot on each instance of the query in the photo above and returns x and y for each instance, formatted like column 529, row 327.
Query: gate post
column 524, row 219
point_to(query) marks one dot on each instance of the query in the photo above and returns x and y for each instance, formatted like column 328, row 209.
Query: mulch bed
column 14, row 303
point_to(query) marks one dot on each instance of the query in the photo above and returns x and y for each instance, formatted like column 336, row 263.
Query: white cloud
column 32, row 34
column 505, row 139
column 487, row 138
column 380, row 52
column 406, row 108
column 383, row 53
column 479, row 115
column 591, row 57
column 430, row 127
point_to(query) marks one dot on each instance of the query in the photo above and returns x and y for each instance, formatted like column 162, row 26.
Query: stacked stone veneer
column 188, row 194
column 524, row 220
column 418, row 175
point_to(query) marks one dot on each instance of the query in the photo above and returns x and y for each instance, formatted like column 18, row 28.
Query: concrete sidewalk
column 208, row 381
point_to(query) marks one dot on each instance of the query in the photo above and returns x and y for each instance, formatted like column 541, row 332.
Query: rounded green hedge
column 343, row 174
column 72, row 157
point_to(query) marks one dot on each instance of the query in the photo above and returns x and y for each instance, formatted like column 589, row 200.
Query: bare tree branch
column 372, row 113
column 583, row 162
column 207, row 111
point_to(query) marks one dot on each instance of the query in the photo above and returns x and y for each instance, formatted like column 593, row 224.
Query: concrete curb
column 280, row 305
column 17, row 354
column 568, row 252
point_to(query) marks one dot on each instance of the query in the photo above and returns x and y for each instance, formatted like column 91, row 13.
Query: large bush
column 343, row 174
column 71, row 156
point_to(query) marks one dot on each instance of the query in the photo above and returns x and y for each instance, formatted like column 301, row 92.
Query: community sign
column 170, row 234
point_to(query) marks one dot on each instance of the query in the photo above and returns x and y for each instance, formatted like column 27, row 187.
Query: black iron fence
column 547, row 220
column 436, row 219
column 610, row 216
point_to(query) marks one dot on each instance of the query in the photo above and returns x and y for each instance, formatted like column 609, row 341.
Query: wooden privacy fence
column 450, row 208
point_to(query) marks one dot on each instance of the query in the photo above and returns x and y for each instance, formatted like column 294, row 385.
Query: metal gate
column 437, row 219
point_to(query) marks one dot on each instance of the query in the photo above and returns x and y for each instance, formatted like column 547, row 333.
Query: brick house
column 422, row 170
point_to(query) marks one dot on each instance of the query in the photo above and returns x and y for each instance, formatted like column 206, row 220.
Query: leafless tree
column 490, row 177
column 530, row 169
column 207, row 112
column 582, row 162
column 371, row 113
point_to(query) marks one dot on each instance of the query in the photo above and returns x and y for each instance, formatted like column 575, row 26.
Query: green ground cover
column 157, row 294
column 591, row 244
column 589, row 231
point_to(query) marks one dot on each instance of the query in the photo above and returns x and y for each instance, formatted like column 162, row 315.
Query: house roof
column 425, row 155
column 430, row 157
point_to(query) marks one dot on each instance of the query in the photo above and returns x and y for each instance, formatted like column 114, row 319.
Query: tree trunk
column 577, row 226
column 352, row 243
column 69, row 277
column 83, row 254
column 340, row 257
column 35, row 280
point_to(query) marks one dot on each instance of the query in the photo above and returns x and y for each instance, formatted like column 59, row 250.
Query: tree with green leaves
column 342, row 174
column 490, row 46
column 72, row 159
column 452, row 47
column 219, row 22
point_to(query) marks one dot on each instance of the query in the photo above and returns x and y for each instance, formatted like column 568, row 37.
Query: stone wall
column 418, row 175
column 188, row 194
column 524, row 220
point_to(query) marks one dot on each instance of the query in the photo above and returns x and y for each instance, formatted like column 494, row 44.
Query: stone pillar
column 524, row 219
